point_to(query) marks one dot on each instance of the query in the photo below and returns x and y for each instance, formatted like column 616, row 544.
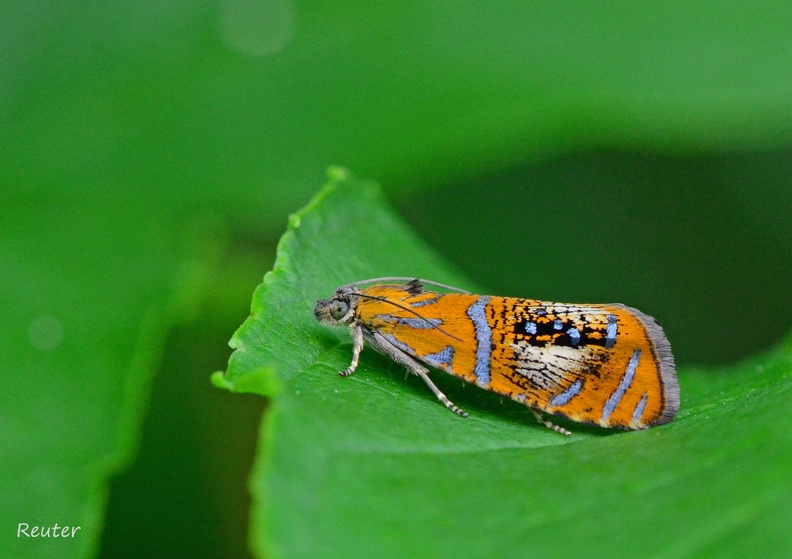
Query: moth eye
column 338, row 309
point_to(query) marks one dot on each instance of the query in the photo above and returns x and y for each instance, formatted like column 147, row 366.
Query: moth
column 607, row 365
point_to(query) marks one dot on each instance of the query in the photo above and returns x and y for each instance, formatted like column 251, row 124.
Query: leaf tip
column 261, row 380
column 219, row 380
column 336, row 173
column 294, row 221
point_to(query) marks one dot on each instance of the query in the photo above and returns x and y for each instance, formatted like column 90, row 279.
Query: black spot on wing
column 415, row 287
column 562, row 331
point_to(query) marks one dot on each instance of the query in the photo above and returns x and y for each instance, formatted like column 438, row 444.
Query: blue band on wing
column 420, row 323
column 568, row 394
column 624, row 384
column 442, row 358
column 483, row 340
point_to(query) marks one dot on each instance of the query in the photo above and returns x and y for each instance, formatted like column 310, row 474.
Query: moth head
column 338, row 309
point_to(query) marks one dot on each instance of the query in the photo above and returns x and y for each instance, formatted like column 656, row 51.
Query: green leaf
column 374, row 465
column 416, row 94
column 86, row 301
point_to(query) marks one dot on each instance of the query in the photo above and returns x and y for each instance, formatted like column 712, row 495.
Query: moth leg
column 357, row 339
column 440, row 396
column 416, row 368
column 549, row 424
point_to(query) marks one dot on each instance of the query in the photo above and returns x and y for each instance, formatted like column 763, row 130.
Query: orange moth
column 606, row 365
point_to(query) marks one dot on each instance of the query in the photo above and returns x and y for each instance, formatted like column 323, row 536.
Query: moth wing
column 608, row 365
column 431, row 327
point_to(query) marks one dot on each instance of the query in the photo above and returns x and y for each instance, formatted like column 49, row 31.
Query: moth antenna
column 409, row 310
column 398, row 278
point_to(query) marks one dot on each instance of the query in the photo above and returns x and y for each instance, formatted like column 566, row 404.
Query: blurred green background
column 150, row 153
